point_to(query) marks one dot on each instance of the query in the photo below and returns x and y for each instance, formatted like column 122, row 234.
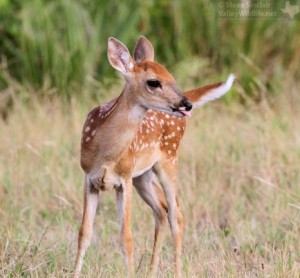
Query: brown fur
column 124, row 143
column 108, row 150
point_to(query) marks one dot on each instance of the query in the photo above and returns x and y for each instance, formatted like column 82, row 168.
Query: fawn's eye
column 153, row 83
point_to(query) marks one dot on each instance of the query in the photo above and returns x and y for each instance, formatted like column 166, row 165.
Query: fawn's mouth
column 182, row 111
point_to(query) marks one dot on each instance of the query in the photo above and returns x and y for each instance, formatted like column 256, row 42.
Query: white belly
column 145, row 162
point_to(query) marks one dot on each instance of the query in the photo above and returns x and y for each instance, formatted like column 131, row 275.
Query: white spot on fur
column 87, row 129
column 153, row 144
column 88, row 139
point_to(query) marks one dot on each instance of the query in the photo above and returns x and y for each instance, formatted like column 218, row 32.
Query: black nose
column 188, row 106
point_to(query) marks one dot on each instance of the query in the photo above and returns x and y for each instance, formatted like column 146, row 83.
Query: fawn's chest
column 157, row 137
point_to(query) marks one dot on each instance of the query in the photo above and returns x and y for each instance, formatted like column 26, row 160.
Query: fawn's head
column 151, row 85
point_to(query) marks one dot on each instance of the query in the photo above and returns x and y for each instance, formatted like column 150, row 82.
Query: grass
column 61, row 44
column 239, row 165
column 239, row 173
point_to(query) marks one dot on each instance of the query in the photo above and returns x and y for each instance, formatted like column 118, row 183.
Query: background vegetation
column 60, row 46
column 239, row 162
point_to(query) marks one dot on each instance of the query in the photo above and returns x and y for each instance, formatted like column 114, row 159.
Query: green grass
column 59, row 47
column 239, row 186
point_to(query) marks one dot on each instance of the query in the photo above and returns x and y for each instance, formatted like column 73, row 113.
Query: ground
column 239, row 189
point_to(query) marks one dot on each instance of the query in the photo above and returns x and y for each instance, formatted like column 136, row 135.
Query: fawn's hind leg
column 152, row 194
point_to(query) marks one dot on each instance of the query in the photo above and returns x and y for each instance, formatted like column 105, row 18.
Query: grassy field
column 239, row 160
column 239, row 173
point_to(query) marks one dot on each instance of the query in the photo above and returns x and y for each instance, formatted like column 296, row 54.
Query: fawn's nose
column 187, row 105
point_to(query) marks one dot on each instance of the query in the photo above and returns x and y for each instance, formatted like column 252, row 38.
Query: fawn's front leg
column 124, row 197
column 91, row 195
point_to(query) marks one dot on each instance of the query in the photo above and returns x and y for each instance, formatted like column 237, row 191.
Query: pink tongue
column 186, row 113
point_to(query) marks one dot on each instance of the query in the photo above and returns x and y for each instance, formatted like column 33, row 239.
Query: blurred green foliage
column 61, row 44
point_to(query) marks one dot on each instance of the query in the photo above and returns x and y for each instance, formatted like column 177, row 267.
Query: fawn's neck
column 120, row 127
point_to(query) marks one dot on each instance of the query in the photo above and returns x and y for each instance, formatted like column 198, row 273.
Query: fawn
column 133, row 138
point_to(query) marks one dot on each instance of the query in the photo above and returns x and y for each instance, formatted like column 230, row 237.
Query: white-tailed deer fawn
column 133, row 137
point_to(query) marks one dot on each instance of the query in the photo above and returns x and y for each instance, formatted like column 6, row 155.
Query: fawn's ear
column 119, row 56
column 143, row 50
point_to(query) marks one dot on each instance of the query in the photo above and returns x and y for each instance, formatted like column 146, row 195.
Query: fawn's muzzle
column 185, row 107
column 186, row 104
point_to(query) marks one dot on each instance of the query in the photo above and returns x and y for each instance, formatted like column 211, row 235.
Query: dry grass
column 239, row 173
